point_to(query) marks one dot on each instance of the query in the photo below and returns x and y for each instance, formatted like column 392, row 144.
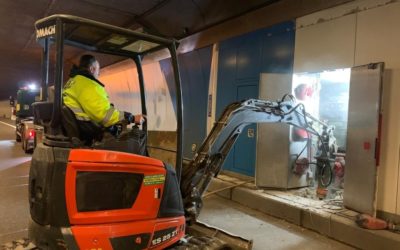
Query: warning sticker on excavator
column 154, row 179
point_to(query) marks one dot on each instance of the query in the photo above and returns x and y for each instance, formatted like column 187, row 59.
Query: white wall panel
column 388, row 169
column 212, row 89
column 338, row 12
column 328, row 45
column 378, row 39
column 398, row 182
column 378, row 36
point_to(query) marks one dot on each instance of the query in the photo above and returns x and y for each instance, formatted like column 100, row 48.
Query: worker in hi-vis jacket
column 87, row 98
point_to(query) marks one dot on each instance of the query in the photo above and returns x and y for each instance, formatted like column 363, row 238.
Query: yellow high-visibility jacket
column 88, row 99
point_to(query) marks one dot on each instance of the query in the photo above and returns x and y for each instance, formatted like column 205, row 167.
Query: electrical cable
column 301, row 152
column 324, row 167
column 292, row 98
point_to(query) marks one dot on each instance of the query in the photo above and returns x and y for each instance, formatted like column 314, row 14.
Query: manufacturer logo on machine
column 154, row 179
column 46, row 31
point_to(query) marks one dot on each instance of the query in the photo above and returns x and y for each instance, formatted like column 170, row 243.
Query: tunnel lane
column 14, row 170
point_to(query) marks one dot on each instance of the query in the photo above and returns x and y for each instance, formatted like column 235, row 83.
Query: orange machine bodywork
column 94, row 229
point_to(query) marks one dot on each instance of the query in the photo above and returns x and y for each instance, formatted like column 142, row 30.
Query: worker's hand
column 139, row 119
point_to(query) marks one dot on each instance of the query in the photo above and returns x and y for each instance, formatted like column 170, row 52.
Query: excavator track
column 200, row 237
column 188, row 243
column 201, row 243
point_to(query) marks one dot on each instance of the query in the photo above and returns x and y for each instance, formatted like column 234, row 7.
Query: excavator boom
column 208, row 160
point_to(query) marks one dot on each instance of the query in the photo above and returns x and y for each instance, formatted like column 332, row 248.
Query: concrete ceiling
column 20, row 55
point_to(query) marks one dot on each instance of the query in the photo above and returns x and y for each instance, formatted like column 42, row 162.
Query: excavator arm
column 208, row 160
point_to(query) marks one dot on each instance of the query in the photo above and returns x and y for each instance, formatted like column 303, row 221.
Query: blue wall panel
column 241, row 61
column 243, row 162
column 248, row 59
column 195, row 69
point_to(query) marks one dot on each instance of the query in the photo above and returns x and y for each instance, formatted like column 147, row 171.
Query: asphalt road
column 14, row 170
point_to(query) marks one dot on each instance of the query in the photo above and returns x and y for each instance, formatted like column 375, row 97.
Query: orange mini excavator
column 107, row 196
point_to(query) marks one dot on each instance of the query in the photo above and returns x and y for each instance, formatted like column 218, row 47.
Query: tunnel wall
column 358, row 33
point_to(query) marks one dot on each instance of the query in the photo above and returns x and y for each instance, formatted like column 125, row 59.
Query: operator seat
column 42, row 113
column 69, row 124
column 84, row 131
column 76, row 133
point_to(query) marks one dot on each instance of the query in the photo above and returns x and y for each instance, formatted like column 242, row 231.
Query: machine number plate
column 164, row 235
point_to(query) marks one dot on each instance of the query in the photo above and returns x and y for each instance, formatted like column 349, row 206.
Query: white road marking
column 14, row 186
column 8, row 124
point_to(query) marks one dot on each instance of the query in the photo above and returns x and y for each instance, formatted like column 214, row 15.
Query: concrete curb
column 331, row 225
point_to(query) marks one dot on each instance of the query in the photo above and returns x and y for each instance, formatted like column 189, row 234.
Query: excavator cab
column 105, row 195
column 95, row 196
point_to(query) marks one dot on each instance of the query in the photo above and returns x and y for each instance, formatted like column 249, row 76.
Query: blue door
column 241, row 60
column 244, row 151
